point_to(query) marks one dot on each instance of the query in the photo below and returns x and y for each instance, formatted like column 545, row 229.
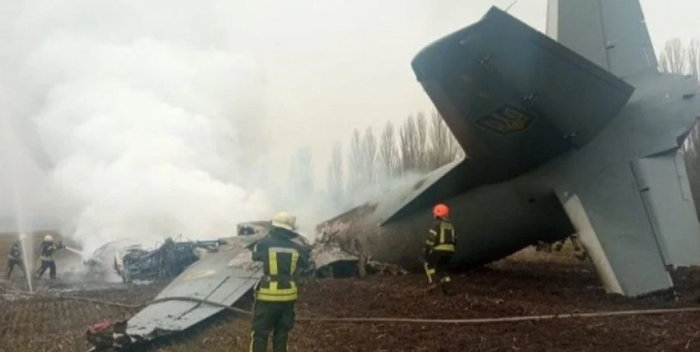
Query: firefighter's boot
column 446, row 286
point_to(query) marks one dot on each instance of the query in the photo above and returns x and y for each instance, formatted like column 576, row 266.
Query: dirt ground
column 526, row 284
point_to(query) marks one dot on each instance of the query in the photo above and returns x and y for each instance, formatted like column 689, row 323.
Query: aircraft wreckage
column 577, row 132
column 221, row 273
column 133, row 263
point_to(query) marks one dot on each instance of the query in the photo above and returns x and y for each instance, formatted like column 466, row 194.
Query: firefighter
column 439, row 247
column 14, row 259
column 46, row 252
column 276, row 292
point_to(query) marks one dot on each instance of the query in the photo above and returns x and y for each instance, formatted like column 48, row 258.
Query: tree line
column 372, row 163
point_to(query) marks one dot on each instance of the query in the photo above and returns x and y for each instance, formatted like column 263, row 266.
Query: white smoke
column 145, row 111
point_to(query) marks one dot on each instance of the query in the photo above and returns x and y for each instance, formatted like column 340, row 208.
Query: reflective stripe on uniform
column 445, row 248
column 269, row 297
column 295, row 258
column 274, row 290
column 275, row 294
column 273, row 261
column 283, row 250
column 272, row 253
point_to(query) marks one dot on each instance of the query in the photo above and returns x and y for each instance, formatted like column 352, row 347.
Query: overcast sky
column 331, row 66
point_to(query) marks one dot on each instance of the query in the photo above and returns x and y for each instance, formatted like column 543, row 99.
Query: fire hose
column 472, row 321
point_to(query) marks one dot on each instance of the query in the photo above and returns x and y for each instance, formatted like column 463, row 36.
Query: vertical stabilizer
column 611, row 33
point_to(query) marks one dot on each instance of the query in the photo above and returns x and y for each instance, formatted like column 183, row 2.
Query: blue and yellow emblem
column 506, row 120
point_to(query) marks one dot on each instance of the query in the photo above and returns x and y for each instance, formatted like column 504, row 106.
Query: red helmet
column 441, row 211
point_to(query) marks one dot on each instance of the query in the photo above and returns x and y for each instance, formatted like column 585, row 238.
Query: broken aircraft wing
column 211, row 279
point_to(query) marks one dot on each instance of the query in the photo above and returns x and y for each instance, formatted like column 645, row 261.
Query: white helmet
column 284, row 220
column 48, row 238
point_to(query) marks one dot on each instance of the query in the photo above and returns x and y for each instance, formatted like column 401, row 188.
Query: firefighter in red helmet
column 439, row 247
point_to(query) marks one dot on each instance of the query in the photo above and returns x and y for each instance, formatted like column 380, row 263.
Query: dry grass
column 510, row 287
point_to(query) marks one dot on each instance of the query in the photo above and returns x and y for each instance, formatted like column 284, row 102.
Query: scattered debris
column 547, row 247
column 211, row 279
column 378, row 268
column 245, row 230
column 164, row 262
column 133, row 263
column 252, row 228
column 335, row 258
column 331, row 261
column 107, row 335
column 223, row 275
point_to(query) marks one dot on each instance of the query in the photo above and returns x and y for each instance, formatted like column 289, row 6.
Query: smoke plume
column 145, row 110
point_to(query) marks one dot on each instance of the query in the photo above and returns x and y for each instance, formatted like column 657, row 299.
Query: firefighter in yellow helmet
column 439, row 247
column 276, row 293
column 46, row 252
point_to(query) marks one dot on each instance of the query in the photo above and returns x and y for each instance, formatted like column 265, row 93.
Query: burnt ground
column 511, row 287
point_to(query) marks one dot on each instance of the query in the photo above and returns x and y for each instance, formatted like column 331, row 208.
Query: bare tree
column 355, row 163
column 693, row 56
column 421, row 143
column 335, row 175
column 407, row 145
column 443, row 146
column 301, row 173
column 369, row 147
column 388, row 158
column 673, row 58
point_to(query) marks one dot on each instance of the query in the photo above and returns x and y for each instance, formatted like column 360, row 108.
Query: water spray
column 20, row 211
column 74, row 250
column 25, row 245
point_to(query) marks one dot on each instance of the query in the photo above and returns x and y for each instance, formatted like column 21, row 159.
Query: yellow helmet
column 48, row 238
column 284, row 220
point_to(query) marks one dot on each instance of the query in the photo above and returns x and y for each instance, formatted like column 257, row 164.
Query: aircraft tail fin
column 612, row 34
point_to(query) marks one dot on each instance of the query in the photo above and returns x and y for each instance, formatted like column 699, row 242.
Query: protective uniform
column 276, row 293
column 439, row 247
column 46, row 252
column 14, row 258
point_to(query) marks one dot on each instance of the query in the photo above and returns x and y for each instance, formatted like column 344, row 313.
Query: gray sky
column 335, row 65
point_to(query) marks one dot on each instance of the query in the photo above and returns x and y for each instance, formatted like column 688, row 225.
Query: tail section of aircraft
column 587, row 121
column 610, row 33
column 627, row 193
